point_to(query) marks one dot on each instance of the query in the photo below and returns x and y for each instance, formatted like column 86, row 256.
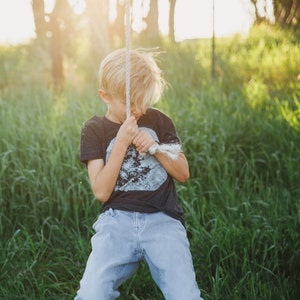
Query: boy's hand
column 127, row 131
column 143, row 141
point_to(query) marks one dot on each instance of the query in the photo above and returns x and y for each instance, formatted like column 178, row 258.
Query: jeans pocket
column 102, row 218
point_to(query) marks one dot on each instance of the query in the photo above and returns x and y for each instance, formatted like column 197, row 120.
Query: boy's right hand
column 127, row 131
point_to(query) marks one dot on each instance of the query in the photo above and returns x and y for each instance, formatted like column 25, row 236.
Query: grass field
column 241, row 135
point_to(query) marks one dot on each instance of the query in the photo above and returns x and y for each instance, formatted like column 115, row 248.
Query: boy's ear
column 104, row 95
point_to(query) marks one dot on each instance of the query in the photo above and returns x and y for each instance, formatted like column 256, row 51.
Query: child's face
column 137, row 110
column 117, row 110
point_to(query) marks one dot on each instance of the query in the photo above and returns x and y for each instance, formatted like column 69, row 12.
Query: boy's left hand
column 143, row 141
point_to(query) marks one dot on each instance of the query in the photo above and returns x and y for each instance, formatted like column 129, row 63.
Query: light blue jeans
column 124, row 239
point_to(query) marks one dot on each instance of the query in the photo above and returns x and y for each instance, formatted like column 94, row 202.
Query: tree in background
column 172, row 20
column 38, row 8
column 117, row 27
column 152, row 29
column 286, row 12
column 61, row 30
column 98, row 20
column 58, row 27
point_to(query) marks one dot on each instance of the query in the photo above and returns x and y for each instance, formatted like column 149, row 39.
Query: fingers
column 143, row 141
column 128, row 131
column 131, row 126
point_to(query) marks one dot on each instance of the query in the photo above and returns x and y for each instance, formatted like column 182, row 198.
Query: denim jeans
column 122, row 240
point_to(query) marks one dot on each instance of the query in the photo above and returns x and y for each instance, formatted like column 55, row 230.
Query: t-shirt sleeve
column 90, row 141
column 168, row 131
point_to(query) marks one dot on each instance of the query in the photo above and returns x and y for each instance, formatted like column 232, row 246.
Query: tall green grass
column 241, row 135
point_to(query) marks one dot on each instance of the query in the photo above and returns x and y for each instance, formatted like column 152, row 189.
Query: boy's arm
column 178, row 168
column 103, row 177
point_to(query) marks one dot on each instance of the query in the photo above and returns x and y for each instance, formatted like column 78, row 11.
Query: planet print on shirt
column 139, row 172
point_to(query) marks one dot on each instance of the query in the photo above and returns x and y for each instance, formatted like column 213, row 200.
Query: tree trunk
column 119, row 25
column 296, row 15
column 38, row 9
column 291, row 15
column 152, row 30
column 59, row 18
column 260, row 13
column 172, row 20
column 56, row 51
column 287, row 13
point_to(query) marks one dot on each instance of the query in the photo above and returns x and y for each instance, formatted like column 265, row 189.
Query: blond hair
column 146, row 82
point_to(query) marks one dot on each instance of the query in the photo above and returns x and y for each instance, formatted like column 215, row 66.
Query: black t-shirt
column 143, row 184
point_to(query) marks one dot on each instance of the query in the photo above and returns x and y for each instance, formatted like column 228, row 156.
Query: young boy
column 141, row 219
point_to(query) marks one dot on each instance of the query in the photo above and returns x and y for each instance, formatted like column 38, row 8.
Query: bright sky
column 193, row 19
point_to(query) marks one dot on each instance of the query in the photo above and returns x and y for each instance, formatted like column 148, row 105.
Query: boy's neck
column 112, row 118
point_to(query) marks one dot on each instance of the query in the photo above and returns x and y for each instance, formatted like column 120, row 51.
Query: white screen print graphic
column 139, row 172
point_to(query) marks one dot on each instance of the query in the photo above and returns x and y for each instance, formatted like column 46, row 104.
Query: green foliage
column 241, row 135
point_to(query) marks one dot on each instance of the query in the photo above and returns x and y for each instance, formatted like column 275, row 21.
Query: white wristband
column 171, row 150
column 153, row 149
